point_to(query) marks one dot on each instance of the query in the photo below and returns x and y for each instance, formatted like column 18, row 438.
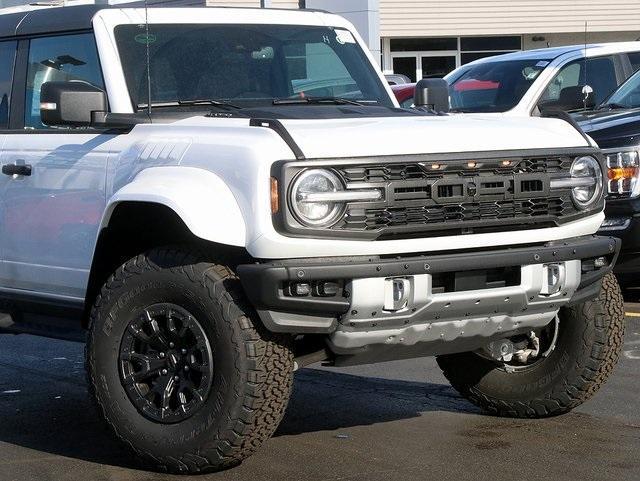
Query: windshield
column 494, row 86
column 246, row 65
column 627, row 96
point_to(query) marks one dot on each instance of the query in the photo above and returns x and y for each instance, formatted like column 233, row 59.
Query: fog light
column 328, row 289
column 301, row 289
column 553, row 276
column 600, row 262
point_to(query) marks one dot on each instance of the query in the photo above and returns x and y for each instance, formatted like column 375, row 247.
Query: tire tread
column 267, row 356
column 601, row 344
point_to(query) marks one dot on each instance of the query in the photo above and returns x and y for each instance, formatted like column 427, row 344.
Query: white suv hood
column 420, row 135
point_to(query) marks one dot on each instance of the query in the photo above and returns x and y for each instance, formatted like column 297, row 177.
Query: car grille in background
column 457, row 199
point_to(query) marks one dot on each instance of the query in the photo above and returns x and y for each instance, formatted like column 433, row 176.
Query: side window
column 569, row 76
column 600, row 74
column 61, row 58
column 634, row 58
column 7, row 59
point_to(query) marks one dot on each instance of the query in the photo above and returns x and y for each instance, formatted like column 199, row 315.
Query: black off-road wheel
column 587, row 347
column 179, row 366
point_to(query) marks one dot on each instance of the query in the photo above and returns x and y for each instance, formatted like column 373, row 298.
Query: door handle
column 15, row 169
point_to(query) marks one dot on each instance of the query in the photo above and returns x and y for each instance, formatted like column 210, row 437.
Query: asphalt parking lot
column 390, row 421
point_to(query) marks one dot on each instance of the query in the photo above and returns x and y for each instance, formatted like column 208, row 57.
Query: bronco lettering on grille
column 474, row 189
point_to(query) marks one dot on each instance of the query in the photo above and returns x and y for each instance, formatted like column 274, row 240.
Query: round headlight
column 587, row 168
column 310, row 209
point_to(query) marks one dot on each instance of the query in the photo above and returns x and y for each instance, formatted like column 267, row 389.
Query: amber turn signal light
column 275, row 200
column 623, row 173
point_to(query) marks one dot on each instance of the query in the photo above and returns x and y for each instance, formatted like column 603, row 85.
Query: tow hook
column 506, row 350
column 523, row 351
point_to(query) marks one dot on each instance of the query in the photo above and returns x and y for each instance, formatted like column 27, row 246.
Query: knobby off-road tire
column 590, row 339
column 252, row 368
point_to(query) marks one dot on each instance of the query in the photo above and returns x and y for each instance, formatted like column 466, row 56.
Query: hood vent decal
column 282, row 131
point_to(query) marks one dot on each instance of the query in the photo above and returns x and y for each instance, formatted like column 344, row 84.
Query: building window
column 419, row 58
column 474, row 48
column 475, row 44
column 405, row 66
column 423, row 44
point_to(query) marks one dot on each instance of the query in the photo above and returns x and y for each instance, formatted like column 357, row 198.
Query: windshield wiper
column 214, row 102
column 317, row 101
column 223, row 104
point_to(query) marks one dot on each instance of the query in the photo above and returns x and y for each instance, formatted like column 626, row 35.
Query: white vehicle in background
column 221, row 196
column 523, row 83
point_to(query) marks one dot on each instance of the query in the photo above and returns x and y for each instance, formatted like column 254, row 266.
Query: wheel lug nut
column 164, row 372
column 176, row 378
column 184, row 352
column 162, row 354
column 186, row 369
column 172, row 345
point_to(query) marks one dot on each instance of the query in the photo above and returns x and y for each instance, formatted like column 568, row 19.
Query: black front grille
column 423, row 170
column 458, row 197
column 377, row 218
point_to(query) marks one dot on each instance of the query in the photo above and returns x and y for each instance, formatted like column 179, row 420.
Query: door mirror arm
column 108, row 120
column 80, row 104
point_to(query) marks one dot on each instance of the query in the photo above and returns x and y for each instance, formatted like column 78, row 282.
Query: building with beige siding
column 428, row 37
column 422, row 38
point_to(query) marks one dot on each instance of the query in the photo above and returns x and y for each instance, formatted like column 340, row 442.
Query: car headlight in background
column 586, row 175
column 623, row 173
column 318, row 197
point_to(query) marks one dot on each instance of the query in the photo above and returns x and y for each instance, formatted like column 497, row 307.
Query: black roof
column 48, row 20
column 62, row 19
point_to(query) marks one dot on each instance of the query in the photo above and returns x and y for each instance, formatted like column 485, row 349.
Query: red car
column 404, row 94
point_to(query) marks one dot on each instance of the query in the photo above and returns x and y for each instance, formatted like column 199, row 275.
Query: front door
column 53, row 187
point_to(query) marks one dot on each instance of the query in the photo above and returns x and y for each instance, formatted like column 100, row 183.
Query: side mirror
column 432, row 94
column 572, row 98
column 70, row 103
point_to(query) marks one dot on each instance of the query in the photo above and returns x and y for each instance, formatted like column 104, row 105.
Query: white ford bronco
column 222, row 196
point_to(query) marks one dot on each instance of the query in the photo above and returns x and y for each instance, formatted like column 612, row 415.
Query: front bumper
column 471, row 308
